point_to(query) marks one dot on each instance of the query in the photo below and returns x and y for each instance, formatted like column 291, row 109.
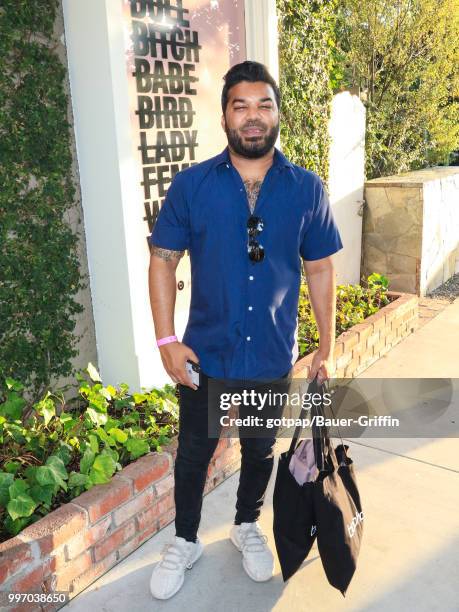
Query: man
column 247, row 217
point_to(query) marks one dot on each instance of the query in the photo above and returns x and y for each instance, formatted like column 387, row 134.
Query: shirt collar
column 279, row 158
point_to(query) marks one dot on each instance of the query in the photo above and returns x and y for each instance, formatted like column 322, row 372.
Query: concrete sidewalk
column 410, row 494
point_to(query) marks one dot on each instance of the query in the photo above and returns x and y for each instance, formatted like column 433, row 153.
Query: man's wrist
column 166, row 340
column 326, row 352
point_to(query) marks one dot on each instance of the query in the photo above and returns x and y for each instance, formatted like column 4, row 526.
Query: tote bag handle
column 320, row 435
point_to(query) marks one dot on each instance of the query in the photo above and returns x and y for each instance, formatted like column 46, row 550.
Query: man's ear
column 222, row 122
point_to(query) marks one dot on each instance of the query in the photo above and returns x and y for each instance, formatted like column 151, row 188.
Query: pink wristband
column 166, row 340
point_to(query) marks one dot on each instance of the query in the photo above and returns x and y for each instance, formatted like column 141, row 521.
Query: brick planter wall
column 363, row 344
column 77, row 543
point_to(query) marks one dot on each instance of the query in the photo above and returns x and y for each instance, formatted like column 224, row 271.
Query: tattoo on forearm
column 167, row 254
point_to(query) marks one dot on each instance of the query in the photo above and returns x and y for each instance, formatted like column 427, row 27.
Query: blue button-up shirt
column 243, row 318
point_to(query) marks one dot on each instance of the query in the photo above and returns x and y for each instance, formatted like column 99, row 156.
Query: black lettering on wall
column 166, row 51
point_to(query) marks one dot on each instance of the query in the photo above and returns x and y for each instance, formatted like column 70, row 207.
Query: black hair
column 247, row 71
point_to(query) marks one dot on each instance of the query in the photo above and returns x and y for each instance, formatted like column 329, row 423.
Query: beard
column 252, row 147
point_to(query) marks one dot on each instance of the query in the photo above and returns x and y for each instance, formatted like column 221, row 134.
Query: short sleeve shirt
column 243, row 317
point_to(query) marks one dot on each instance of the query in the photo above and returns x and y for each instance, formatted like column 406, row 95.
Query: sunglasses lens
column 256, row 251
column 254, row 225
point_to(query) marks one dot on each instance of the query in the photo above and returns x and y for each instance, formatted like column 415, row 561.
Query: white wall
column 346, row 180
column 97, row 73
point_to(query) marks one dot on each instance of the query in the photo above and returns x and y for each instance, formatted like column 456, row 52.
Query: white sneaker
column 169, row 573
column 258, row 560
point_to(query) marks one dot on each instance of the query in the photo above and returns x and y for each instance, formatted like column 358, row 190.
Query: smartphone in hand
column 193, row 371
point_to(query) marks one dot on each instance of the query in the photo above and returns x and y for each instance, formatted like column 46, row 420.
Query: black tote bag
column 294, row 523
column 338, row 509
column 328, row 508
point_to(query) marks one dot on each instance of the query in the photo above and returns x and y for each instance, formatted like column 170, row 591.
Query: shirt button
column 250, row 307
column 248, row 337
column 250, row 277
column 227, row 165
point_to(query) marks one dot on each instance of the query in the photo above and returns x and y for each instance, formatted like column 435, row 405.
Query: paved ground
column 410, row 491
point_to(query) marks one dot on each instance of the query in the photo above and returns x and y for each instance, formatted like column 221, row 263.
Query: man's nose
column 252, row 113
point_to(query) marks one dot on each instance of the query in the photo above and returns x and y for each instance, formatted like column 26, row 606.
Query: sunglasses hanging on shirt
column 254, row 248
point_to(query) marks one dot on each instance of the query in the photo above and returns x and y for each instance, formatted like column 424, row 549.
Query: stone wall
column 411, row 228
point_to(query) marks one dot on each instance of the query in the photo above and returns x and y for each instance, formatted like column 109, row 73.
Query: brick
column 230, row 469
column 338, row 349
column 76, row 545
column 349, row 339
column 147, row 470
column 406, row 306
column 342, row 361
column 363, row 330
column 366, row 356
column 56, row 527
column 379, row 346
column 171, row 448
column 390, row 314
column 302, row 366
column 72, row 570
column 368, row 362
column 230, row 455
column 134, row 506
column 103, row 498
column 114, row 540
column 214, row 480
column 221, row 447
column 150, row 515
column 166, row 518
column 138, row 540
column 390, row 337
column 58, row 559
column 379, row 324
column 371, row 340
column 165, row 485
column 25, row 607
column 94, row 572
column 410, row 314
column 350, row 368
column 15, row 555
column 31, row 580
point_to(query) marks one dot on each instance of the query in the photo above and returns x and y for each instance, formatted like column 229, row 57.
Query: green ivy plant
column 55, row 452
column 353, row 304
column 306, row 56
column 39, row 266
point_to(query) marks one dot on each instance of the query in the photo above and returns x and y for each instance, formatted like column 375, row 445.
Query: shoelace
column 170, row 551
column 253, row 540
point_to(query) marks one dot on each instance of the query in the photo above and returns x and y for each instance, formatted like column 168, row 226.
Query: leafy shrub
column 353, row 304
column 53, row 452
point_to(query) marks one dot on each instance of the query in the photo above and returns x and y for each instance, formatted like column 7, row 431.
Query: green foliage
column 404, row 56
column 353, row 304
column 38, row 254
column 306, row 52
column 56, row 451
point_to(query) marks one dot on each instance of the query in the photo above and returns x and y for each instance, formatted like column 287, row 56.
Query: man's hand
column 322, row 365
column 174, row 356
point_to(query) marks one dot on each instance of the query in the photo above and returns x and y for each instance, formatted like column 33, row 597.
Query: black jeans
column 194, row 452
